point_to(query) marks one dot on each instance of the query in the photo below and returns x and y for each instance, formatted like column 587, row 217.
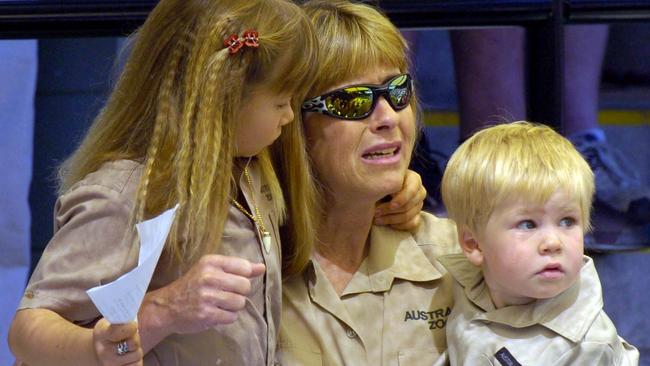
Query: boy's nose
column 550, row 244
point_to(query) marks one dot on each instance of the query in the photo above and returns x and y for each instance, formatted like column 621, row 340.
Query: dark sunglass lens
column 400, row 91
column 350, row 102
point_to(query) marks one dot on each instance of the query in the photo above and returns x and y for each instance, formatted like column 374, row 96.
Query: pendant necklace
column 255, row 214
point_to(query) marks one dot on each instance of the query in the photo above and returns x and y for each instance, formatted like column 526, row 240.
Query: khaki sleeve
column 599, row 354
column 629, row 355
column 92, row 245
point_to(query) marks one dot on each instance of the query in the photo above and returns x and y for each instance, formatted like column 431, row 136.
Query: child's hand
column 117, row 344
column 402, row 212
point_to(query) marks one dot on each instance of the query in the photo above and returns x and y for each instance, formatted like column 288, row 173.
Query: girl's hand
column 402, row 212
column 107, row 337
column 209, row 294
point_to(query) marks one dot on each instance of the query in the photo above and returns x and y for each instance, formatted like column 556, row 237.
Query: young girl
column 207, row 87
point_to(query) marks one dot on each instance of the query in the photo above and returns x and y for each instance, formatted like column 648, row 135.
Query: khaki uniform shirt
column 93, row 245
column 393, row 311
column 569, row 329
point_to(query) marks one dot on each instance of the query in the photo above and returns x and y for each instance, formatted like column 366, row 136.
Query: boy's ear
column 470, row 245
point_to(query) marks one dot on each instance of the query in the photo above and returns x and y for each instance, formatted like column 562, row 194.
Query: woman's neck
column 343, row 237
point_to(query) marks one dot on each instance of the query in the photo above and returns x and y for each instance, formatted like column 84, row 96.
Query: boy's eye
column 526, row 225
column 567, row 222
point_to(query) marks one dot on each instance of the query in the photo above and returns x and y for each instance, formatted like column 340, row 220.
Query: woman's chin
column 389, row 186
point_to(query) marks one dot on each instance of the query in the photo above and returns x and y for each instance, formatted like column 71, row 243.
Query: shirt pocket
column 421, row 356
column 290, row 355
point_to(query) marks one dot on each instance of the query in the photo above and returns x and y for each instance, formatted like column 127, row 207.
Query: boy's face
column 530, row 251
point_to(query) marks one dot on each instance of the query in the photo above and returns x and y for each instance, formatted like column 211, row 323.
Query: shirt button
column 351, row 333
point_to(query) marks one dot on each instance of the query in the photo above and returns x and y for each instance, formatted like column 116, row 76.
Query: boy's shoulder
column 436, row 237
column 459, row 267
column 437, row 232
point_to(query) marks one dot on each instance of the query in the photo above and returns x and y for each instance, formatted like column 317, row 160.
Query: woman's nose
column 384, row 117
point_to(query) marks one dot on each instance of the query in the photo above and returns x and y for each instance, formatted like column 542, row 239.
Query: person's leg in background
column 18, row 69
column 489, row 73
column 490, row 76
column 584, row 51
column 618, row 184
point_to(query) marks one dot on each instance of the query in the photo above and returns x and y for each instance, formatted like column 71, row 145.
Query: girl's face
column 261, row 120
column 367, row 158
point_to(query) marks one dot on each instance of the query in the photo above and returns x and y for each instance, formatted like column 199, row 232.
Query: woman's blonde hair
column 177, row 104
column 513, row 161
column 354, row 39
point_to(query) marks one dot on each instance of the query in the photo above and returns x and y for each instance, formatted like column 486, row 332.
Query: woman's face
column 364, row 158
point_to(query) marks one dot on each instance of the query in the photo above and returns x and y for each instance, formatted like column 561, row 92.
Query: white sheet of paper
column 120, row 300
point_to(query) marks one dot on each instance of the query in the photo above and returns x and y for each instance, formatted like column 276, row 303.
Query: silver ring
column 122, row 348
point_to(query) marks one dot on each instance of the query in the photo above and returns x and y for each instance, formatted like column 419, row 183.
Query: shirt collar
column 392, row 254
column 322, row 293
column 570, row 314
column 470, row 278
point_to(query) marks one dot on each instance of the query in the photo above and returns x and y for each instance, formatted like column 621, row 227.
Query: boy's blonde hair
column 177, row 104
column 514, row 160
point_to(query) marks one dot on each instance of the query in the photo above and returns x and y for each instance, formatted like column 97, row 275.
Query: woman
column 370, row 295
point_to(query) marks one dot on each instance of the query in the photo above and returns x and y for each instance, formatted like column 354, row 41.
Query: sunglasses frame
column 317, row 104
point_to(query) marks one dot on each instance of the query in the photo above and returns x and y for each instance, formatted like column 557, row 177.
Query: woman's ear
column 471, row 246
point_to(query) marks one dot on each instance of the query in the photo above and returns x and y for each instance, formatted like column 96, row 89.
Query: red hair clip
column 233, row 43
column 249, row 38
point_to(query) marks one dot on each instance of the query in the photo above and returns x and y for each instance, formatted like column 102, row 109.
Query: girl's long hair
column 176, row 107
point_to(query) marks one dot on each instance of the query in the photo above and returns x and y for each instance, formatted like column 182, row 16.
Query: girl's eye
column 284, row 102
column 526, row 225
column 567, row 222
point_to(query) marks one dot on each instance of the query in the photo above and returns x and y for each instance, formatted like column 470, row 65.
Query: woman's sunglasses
column 356, row 102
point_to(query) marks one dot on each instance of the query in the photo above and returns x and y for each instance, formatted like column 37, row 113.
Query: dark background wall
column 74, row 77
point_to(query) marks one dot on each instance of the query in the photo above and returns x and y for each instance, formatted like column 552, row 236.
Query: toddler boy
column 524, row 293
